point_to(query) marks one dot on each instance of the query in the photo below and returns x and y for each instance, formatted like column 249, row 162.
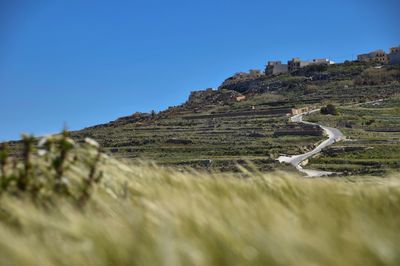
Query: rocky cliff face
column 210, row 96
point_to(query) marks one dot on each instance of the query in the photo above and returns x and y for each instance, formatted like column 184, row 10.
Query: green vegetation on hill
column 373, row 144
column 53, row 168
column 199, row 184
column 196, row 141
column 330, row 109
column 147, row 215
column 244, row 119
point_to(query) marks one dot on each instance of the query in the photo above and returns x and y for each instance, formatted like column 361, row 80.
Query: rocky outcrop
column 210, row 96
column 243, row 82
column 203, row 100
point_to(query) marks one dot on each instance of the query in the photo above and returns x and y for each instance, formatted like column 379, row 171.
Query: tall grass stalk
column 147, row 215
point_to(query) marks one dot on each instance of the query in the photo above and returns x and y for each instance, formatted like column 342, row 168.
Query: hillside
column 373, row 132
column 65, row 202
column 246, row 119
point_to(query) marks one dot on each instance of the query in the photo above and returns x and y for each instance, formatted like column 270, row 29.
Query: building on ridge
column 276, row 68
column 394, row 55
column 378, row 56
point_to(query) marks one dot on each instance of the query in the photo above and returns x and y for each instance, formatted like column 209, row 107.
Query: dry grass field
column 143, row 214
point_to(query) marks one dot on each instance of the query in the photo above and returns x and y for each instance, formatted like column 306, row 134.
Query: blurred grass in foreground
column 147, row 215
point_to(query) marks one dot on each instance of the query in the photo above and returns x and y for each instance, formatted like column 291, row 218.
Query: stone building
column 240, row 98
column 394, row 55
column 321, row 61
column 395, row 49
column 276, row 68
column 296, row 63
column 297, row 111
column 378, row 56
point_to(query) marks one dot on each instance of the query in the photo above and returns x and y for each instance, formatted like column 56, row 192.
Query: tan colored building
column 321, row 61
column 296, row 63
column 240, row 98
column 395, row 49
column 394, row 55
column 297, row 111
column 276, row 68
column 378, row 56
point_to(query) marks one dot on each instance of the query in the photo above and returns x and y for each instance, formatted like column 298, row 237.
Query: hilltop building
column 275, row 68
column 296, row 63
column 322, row 61
column 378, row 56
column 394, row 55
column 395, row 49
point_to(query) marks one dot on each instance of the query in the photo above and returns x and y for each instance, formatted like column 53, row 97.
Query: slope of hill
column 244, row 119
column 373, row 132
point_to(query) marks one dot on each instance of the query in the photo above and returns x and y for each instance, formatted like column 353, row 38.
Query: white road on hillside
column 334, row 135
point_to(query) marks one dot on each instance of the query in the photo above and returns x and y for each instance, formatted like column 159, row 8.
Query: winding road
column 334, row 135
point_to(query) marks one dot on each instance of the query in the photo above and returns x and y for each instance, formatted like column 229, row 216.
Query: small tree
column 311, row 89
column 330, row 109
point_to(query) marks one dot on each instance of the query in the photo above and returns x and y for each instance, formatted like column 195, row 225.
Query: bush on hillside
column 330, row 109
column 43, row 174
column 378, row 76
column 310, row 89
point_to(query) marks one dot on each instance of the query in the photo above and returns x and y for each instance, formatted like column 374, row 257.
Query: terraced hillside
column 217, row 138
column 373, row 144
column 246, row 119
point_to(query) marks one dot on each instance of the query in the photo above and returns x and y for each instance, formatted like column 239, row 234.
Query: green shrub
column 43, row 175
column 330, row 109
column 378, row 76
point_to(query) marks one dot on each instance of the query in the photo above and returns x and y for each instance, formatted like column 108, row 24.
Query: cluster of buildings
column 276, row 67
column 379, row 56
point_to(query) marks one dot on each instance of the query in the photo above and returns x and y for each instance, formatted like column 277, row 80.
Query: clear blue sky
column 89, row 62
